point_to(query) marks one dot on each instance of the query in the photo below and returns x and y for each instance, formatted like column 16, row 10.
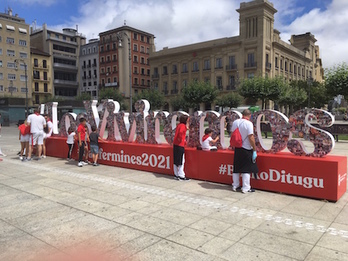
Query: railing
column 155, row 76
column 231, row 87
column 231, row 67
column 250, row 65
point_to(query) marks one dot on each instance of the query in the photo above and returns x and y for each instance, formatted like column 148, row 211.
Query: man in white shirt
column 244, row 162
column 37, row 123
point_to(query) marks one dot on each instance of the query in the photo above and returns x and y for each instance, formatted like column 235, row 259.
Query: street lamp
column 26, row 84
column 120, row 39
column 309, row 83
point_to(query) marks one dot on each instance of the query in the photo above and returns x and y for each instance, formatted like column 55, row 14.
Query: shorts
column 36, row 138
column 25, row 138
column 94, row 149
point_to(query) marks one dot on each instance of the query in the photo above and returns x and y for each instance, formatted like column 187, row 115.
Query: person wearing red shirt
column 179, row 148
column 81, row 132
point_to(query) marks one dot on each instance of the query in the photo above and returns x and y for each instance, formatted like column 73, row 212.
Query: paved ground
column 52, row 206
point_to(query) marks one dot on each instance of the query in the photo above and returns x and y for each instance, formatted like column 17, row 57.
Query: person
column 207, row 140
column 0, row 125
column 86, row 152
column 37, row 123
column 24, row 134
column 94, row 145
column 179, row 148
column 47, row 133
column 70, row 141
column 81, row 134
column 244, row 162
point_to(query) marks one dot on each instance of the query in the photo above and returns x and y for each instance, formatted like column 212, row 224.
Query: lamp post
column 120, row 39
column 309, row 83
column 26, row 84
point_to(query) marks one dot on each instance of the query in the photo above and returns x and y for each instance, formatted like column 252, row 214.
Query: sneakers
column 176, row 178
column 84, row 163
column 43, row 156
column 248, row 191
column 80, row 164
column 95, row 164
column 184, row 179
column 20, row 157
column 236, row 189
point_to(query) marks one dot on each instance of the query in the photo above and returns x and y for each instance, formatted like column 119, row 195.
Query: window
column 251, row 60
column 1, row 76
column 232, row 62
column 0, row 51
column 206, row 64
column 250, row 75
column 11, row 76
column 195, row 67
column 101, row 49
column 142, row 60
column 219, row 82
column 115, row 79
column 11, row 65
column 135, row 36
column 294, row 69
column 0, row 63
column 22, row 77
column 45, row 76
column 286, row 66
column 218, row 63
column 135, row 59
column 37, row 99
column 1, row 88
column 142, row 71
column 23, row 89
column 148, row 39
column 184, row 83
column 23, row 55
column 148, row 72
column 83, row 51
column 64, row 37
column 36, row 63
column 45, row 87
column 11, row 53
column 165, row 70
column 276, row 62
column 142, row 38
column 44, row 63
column 36, row 86
column 135, row 47
column 36, row 75
column 231, row 81
column 142, row 49
column 281, row 64
column 64, row 48
column 184, row 68
column 147, row 50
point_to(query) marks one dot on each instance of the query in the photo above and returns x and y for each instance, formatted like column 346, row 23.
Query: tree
column 109, row 93
column 196, row 93
column 336, row 80
column 84, row 97
column 155, row 98
column 231, row 100
column 262, row 88
column 292, row 95
column 178, row 103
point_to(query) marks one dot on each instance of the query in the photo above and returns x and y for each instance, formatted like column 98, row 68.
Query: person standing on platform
column 24, row 135
column 94, row 145
column 244, row 162
column 37, row 123
column 47, row 133
column 179, row 148
column 81, row 133
column 70, row 141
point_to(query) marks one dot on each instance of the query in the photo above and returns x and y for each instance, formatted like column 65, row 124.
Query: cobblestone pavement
column 51, row 208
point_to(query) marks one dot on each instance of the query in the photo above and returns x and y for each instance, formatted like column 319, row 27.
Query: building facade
column 15, row 65
column 41, row 84
column 64, row 50
column 89, row 66
column 123, row 58
column 256, row 51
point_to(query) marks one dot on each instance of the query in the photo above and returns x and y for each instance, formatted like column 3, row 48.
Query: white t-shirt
column 70, row 139
column 37, row 123
column 50, row 126
column 206, row 143
column 245, row 128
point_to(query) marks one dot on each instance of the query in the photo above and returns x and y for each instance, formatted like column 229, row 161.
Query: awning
column 10, row 27
column 22, row 30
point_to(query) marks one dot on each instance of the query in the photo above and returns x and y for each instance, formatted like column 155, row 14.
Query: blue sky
column 179, row 22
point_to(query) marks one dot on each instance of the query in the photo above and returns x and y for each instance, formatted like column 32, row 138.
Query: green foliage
column 109, row 93
column 179, row 103
column 336, row 80
column 231, row 100
column 292, row 94
column 262, row 88
column 199, row 92
column 155, row 98
column 53, row 99
column 84, row 97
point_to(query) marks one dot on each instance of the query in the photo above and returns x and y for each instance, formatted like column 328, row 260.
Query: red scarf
column 206, row 136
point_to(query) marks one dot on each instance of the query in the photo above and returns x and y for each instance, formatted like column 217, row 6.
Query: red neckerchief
column 206, row 136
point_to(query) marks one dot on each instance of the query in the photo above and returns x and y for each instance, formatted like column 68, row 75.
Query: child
column 179, row 148
column 207, row 140
column 86, row 146
column 94, row 145
column 24, row 134
column 81, row 133
column 70, row 141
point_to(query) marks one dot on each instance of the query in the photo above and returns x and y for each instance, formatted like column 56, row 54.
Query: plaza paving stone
column 53, row 208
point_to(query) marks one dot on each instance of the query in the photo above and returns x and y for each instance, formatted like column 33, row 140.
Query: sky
column 181, row 22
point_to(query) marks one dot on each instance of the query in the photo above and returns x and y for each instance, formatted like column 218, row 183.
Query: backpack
column 236, row 140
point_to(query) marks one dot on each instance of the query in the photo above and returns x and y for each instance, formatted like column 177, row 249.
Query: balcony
column 164, row 73
column 231, row 87
column 94, row 65
column 250, row 65
column 195, row 70
column 218, row 67
column 37, row 66
column 175, row 91
column 155, row 76
column 268, row 66
column 231, row 67
column 111, row 84
column 220, row 88
column 175, row 72
column 65, row 66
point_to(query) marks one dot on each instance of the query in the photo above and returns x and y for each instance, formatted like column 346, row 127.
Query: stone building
column 89, row 66
column 256, row 51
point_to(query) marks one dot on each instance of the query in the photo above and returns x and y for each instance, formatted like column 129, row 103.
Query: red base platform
column 320, row 178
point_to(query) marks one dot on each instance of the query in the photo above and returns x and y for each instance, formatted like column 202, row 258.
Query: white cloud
column 180, row 22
